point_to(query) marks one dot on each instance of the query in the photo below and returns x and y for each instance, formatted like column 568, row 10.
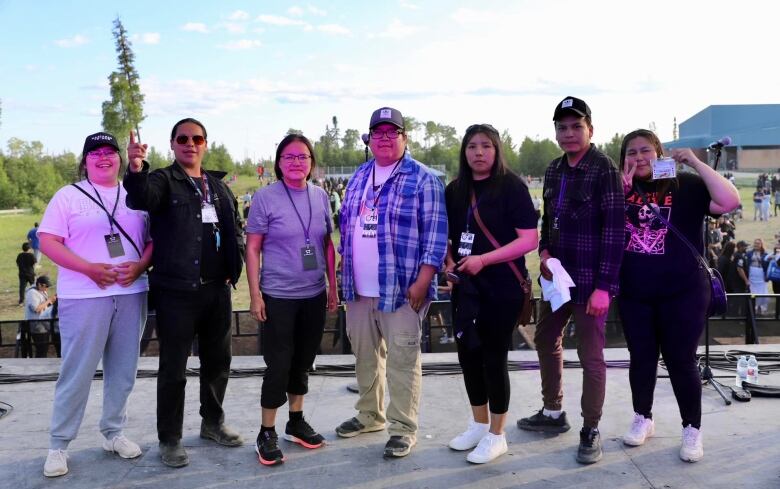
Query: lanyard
column 372, row 196
column 205, row 195
column 113, row 211
column 561, row 195
column 307, row 227
column 472, row 208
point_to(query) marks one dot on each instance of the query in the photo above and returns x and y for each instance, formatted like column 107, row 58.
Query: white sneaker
column 56, row 463
column 641, row 429
column 122, row 446
column 691, row 449
column 471, row 437
column 490, row 447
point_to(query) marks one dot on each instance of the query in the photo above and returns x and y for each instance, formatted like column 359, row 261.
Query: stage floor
column 741, row 441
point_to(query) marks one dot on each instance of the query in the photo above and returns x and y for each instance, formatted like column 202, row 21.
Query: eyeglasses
column 390, row 133
column 106, row 153
column 303, row 158
column 197, row 140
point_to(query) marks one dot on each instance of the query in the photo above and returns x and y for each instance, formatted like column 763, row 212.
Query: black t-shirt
column 508, row 208
column 212, row 261
column 655, row 259
column 26, row 263
column 734, row 282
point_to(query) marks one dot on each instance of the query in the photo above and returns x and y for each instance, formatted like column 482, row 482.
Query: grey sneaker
column 589, row 451
column 542, row 422
column 173, row 454
column 353, row 427
column 399, row 446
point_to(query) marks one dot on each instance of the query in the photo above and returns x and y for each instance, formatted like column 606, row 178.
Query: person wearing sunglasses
column 492, row 224
column 102, row 250
column 664, row 292
column 289, row 229
column 197, row 258
column 393, row 241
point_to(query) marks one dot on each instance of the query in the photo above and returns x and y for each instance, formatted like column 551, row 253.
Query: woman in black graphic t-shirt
column 488, row 296
column 663, row 292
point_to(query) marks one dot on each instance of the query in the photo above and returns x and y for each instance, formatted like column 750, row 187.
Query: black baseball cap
column 99, row 139
column 742, row 243
column 388, row 115
column 571, row 105
column 43, row 280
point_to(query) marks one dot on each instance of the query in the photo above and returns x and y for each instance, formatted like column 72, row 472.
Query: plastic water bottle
column 752, row 370
column 742, row 368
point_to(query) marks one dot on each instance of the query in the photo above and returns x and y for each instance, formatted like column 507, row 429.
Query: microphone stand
column 705, row 370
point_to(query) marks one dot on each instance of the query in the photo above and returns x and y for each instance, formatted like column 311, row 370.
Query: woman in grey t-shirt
column 289, row 229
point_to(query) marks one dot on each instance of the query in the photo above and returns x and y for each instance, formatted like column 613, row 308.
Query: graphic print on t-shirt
column 645, row 233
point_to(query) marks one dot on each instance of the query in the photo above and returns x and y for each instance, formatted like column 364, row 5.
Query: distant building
column 754, row 131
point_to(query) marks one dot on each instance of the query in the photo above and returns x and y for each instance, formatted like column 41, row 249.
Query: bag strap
column 696, row 254
column 118, row 226
column 494, row 242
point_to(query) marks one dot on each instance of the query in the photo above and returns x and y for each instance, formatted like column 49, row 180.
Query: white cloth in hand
column 556, row 291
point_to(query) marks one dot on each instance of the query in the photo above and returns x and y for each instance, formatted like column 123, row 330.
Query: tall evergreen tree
column 124, row 112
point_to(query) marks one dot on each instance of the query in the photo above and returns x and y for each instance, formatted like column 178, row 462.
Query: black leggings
column 291, row 334
column 485, row 367
column 671, row 324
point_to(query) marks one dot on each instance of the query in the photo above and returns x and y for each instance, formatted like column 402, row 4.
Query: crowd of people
column 605, row 234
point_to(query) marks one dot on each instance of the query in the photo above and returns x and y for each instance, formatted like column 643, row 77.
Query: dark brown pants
column 590, row 349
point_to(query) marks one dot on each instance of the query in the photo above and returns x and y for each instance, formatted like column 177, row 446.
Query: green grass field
column 14, row 231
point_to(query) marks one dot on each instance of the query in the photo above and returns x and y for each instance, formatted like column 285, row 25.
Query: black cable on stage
column 5, row 411
column 768, row 362
column 345, row 370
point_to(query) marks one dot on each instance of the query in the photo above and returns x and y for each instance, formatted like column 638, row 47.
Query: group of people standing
column 605, row 226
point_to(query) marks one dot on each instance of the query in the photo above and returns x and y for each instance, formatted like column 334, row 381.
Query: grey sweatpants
column 91, row 329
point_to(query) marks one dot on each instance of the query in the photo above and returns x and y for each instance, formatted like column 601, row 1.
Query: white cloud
column 295, row 11
column 315, row 10
column 234, row 27
column 72, row 42
column 334, row 29
column 195, row 27
column 146, row 38
column 279, row 20
column 241, row 44
column 471, row 16
column 238, row 15
column 397, row 30
column 408, row 5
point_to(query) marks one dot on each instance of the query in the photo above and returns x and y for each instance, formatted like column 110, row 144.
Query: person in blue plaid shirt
column 582, row 227
column 393, row 241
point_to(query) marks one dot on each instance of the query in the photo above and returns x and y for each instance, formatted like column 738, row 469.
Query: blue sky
column 251, row 70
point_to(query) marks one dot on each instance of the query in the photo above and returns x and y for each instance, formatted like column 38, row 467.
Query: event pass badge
column 309, row 257
column 208, row 214
column 466, row 244
column 114, row 245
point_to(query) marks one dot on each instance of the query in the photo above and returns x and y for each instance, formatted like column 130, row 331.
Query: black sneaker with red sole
column 301, row 433
column 267, row 448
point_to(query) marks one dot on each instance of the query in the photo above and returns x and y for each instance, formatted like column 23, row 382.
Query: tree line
column 29, row 177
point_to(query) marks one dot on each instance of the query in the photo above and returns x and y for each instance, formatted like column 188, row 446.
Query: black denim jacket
column 176, row 228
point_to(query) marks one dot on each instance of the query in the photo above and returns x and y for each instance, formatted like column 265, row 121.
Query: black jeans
column 673, row 325
column 291, row 334
column 485, row 366
column 180, row 316
column 24, row 280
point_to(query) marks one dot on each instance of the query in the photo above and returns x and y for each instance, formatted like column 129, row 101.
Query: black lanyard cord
column 103, row 206
column 306, row 228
